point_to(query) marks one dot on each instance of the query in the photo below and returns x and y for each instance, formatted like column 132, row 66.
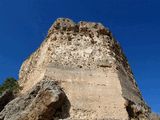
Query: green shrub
column 9, row 84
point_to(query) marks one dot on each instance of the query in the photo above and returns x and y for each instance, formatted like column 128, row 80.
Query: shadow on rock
column 45, row 101
column 63, row 111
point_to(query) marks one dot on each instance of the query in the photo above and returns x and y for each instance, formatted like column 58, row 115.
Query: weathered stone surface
column 90, row 66
column 5, row 98
column 41, row 103
column 154, row 116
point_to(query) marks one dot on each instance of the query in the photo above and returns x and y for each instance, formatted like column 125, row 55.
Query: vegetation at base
column 9, row 84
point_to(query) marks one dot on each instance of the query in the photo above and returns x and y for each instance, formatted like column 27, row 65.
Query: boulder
column 43, row 102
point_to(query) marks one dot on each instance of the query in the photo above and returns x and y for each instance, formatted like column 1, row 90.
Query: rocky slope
column 88, row 64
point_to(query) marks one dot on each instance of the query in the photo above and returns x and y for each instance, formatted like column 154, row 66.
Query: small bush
column 9, row 84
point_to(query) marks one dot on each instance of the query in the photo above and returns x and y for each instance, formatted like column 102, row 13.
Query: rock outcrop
column 89, row 65
column 43, row 102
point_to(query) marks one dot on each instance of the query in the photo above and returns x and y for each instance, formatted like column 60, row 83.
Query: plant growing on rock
column 10, row 84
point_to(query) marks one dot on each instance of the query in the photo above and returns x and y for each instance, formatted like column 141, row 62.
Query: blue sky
column 134, row 23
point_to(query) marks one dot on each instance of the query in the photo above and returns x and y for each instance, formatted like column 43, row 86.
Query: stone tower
column 91, row 68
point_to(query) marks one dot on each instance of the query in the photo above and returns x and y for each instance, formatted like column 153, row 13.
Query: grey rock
column 41, row 103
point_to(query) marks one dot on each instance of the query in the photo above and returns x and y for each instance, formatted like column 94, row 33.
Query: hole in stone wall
column 69, row 38
column 76, row 28
column 80, row 66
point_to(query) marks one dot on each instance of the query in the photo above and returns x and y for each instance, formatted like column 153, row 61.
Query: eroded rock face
column 89, row 64
column 154, row 116
column 43, row 102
